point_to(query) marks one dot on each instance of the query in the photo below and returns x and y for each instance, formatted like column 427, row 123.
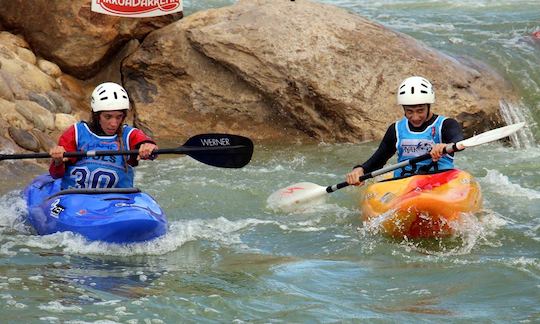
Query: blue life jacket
column 411, row 144
column 99, row 171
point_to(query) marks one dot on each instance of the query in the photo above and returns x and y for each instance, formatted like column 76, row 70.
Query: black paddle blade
column 220, row 150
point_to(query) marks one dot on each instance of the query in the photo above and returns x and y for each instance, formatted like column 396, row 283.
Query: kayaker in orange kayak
column 419, row 132
column 105, row 131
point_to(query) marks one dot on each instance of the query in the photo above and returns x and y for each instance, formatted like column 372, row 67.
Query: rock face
column 38, row 40
column 276, row 68
column 70, row 34
column 29, row 99
column 271, row 70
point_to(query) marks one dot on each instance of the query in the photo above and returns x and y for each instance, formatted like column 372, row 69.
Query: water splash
column 471, row 231
column 219, row 230
column 375, row 225
column 515, row 113
column 12, row 213
column 501, row 184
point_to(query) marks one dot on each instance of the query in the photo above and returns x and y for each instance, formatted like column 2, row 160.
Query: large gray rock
column 44, row 140
column 179, row 92
column 43, row 101
column 61, row 104
column 36, row 114
column 272, row 68
column 24, row 139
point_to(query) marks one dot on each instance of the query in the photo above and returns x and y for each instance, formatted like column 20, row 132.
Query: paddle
column 294, row 196
column 219, row 150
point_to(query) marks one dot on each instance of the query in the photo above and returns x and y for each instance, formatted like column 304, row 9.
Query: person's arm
column 139, row 140
column 384, row 152
column 66, row 143
column 451, row 132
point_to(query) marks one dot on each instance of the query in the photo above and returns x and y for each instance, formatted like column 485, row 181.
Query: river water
column 228, row 258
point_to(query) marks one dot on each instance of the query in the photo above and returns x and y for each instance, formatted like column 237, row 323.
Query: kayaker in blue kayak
column 105, row 131
column 419, row 132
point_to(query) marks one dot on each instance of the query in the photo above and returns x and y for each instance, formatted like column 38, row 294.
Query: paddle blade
column 296, row 197
column 220, row 150
column 489, row 136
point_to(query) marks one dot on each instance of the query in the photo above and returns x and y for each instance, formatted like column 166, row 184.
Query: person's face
column 416, row 114
column 111, row 120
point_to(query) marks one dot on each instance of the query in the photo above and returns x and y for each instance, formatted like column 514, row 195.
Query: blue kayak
column 115, row 215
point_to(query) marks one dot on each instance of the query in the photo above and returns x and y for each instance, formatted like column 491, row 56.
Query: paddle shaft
column 178, row 150
column 448, row 149
column 215, row 149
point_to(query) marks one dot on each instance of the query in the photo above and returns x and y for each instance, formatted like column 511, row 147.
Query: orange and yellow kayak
column 421, row 206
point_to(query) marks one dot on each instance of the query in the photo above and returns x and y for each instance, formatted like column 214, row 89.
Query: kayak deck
column 422, row 206
column 115, row 215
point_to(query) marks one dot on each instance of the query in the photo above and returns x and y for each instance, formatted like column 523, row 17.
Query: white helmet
column 415, row 91
column 109, row 96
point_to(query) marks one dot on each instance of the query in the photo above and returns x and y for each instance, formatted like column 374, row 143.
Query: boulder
column 15, row 65
column 40, row 117
column 42, row 100
column 282, row 69
column 44, row 140
column 24, row 139
column 26, row 55
column 61, row 104
column 49, row 68
column 12, row 117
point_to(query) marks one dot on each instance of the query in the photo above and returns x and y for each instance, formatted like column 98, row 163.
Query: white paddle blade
column 489, row 136
column 297, row 197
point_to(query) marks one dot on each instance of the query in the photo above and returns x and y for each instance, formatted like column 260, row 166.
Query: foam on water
column 501, row 184
column 315, row 218
column 515, row 113
column 220, row 230
column 57, row 307
column 471, row 231
column 12, row 212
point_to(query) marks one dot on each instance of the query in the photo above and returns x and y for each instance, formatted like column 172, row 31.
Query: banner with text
column 137, row 8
